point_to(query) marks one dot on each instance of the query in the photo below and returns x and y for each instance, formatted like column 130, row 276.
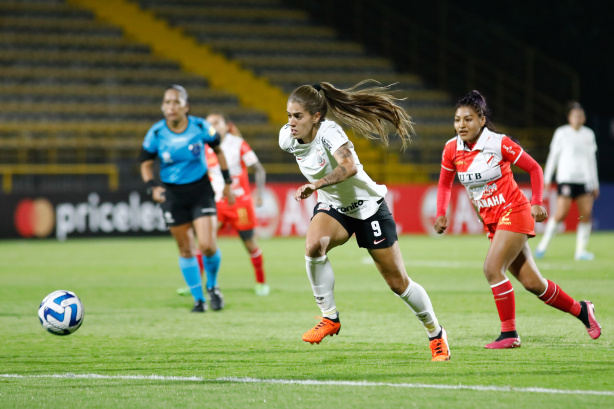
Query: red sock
column 199, row 258
column 256, row 258
column 506, row 305
column 557, row 298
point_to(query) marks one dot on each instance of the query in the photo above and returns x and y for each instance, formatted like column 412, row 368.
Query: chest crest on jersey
column 320, row 156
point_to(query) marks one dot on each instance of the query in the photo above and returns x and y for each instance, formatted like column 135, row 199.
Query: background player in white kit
column 573, row 156
column 349, row 202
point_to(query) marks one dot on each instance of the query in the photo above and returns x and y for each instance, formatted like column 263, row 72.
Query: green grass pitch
column 139, row 345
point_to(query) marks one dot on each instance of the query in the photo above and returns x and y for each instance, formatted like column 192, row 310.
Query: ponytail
column 367, row 110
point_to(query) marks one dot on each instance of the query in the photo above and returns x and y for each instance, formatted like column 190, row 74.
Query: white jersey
column 572, row 155
column 357, row 196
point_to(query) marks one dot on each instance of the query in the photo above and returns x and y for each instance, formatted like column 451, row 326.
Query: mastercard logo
column 34, row 218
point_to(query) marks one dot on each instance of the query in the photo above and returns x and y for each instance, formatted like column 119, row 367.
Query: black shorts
column 186, row 203
column 377, row 232
column 573, row 190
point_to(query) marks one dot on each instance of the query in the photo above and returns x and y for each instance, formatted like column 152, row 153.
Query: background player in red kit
column 482, row 158
column 241, row 215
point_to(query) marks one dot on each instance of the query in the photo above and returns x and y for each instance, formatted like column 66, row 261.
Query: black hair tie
column 317, row 87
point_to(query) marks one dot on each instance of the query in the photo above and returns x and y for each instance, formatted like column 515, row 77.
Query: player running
column 482, row 158
column 349, row 201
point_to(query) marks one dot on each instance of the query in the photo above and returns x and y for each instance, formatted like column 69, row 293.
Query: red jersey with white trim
column 239, row 156
column 485, row 171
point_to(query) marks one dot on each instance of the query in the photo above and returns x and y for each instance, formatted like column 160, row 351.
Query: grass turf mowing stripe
column 479, row 388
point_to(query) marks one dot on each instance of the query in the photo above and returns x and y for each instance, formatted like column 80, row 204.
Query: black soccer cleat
column 199, row 306
column 216, row 299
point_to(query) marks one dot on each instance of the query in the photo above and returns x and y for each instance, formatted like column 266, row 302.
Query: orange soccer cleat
column 324, row 328
column 440, row 348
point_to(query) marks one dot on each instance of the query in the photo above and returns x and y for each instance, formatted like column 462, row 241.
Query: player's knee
column 208, row 250
column 316, row 247
column 493, row 272
column 398, row 285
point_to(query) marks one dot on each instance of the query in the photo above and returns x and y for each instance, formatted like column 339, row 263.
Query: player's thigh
column 184, row 237
column 206, row 232
column 324, row 233
column 585, row 206
column 563, row 204
column 504, row 249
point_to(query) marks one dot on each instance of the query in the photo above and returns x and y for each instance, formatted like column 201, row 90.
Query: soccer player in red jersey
column 482, row 159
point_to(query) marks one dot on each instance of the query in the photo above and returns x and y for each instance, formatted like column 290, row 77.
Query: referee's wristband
column 150, row 185
column 226, row 176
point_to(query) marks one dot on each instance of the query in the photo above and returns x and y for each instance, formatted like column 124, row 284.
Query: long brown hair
column 365, row 110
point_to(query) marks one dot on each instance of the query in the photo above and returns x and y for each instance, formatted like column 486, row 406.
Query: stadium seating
column 75, row 89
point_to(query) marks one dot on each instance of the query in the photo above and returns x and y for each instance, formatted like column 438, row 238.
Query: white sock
column 418, row 301
column 551, row 228
column 322, row 279
column 582, row 235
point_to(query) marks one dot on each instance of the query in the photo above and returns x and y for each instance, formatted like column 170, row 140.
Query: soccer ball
column 61, row 312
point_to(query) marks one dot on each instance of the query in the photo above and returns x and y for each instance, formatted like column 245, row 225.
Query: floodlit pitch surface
column 139, row 345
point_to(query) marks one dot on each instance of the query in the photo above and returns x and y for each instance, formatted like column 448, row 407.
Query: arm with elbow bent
column 345, row 169
column 529, row 165
column 147, row 174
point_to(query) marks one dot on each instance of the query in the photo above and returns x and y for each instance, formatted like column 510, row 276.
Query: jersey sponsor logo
column 490, row 202
column 459, row 162
column 378, row 241
column 290, row 149
column 326, row 144
column 468, row 177
column 509, row 150
column 351, row 208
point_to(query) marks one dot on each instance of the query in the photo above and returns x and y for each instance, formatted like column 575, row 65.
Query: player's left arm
column 345, row 169
column 224, row 168
column 249, row 158
column 512, row 152
column 260, row 179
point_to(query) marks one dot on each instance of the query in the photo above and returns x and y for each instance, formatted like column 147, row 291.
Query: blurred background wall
column 81, row 80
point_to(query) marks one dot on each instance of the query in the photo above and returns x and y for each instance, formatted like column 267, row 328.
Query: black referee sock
column 507, row 334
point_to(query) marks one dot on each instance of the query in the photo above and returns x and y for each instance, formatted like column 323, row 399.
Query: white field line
column 477, row 265
column 479, row 388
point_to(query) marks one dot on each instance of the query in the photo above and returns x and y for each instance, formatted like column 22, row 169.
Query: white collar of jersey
column 479, row 145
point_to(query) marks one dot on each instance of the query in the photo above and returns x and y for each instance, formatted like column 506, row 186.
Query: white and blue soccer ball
column 61, row 312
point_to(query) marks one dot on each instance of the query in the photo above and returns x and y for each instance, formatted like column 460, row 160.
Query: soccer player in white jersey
column 482, row 157
column 573, row 156
column 349, row 201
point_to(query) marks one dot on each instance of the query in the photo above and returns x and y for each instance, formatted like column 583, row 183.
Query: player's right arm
column 553, row 158
column 444, row 188
column 149, row 153
column 345, row 169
